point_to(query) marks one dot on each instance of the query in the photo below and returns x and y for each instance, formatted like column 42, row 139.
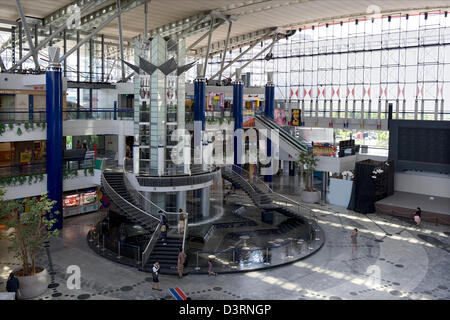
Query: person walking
column 12, row 285
column 163, row 217
column 181, row 222
column 211, row 268
column 164, row 234
column 418, row 216
column 155, row 275
column 354, row 237
column 181, row 261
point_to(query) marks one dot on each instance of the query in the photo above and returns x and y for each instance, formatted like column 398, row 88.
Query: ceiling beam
column 237, row 41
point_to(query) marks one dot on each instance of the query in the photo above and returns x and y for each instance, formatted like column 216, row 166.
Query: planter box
column 33, row 286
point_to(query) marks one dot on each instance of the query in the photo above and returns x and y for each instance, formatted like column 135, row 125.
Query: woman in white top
column 181, row 222
column 155, row 274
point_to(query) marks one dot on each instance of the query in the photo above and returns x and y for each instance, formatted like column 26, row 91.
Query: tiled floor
column 394, row 260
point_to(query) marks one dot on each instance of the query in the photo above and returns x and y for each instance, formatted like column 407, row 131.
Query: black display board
column 420, row 145
column 370, row 187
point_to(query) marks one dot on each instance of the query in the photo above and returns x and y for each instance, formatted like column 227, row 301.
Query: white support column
column 404, row 109
column 416, row 109
column 422, row 110
column 436, row 109
column 181, row 200
column 121, row 148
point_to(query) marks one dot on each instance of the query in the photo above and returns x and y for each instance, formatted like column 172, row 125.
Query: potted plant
column 307, row 162
column 28, row 231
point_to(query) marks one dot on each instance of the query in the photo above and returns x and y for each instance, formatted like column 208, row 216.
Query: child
column 155, row 275
column 211, row 269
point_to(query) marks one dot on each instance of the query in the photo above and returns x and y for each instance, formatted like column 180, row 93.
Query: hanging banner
column 296, row 119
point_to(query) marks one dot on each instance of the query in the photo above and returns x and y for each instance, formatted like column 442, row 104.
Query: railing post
column 103, row 249
column 139, row 256
column 290, row 249
column 310, row 247
column 234, row 258
column 267, row 257
column 197, row 267
column 118, row 248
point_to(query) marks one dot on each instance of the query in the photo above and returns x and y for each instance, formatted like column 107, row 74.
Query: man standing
column 12, row 285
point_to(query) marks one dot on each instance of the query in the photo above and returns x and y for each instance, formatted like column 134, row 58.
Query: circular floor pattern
column 395, row 293
column 126, row 288
column 335, row 298
column 84, row 296
column 399, row 265
column 442, row 287
column 53, row 285
column 217, row 288
column 433, row 241
column 57, row 294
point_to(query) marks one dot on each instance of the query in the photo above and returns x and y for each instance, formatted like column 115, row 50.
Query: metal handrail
column 186, row 219
column 137, row 192
column 283, row 132
column 271, row 190
column 106, row 184
column 240, row 176
column 273, row 193
column 150, row 245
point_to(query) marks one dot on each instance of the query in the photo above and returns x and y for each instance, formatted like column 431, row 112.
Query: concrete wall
column 432, row 184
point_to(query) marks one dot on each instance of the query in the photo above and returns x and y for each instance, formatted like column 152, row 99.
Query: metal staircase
column 131, row 203
column 114, row 186
column 263, row 196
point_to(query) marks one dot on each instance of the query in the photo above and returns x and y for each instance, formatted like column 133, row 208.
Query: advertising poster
column 296, row 121
column 280, row 116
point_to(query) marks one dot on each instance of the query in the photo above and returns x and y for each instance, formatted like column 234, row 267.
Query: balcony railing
column 83, row 114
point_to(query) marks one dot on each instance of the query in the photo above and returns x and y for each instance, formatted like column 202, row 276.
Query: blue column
column 115, row 110
column 269, row 112
column 30, row 107
column 55, row 139
column 199, row 116
column 238, row 96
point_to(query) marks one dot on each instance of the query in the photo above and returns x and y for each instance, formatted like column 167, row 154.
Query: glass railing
column 14, row 117
column 40, row 167
column 114, row 249
column 250, row 258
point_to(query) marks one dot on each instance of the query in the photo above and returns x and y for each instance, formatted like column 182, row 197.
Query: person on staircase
column 181, row 261
column 181, row 222
column 164, row 234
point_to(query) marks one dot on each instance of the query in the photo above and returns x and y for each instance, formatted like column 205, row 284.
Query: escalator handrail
column 290, row 139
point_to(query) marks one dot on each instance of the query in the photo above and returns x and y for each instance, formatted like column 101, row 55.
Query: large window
column 399, row 59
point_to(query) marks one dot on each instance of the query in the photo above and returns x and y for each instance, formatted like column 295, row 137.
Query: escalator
column 288, row 143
